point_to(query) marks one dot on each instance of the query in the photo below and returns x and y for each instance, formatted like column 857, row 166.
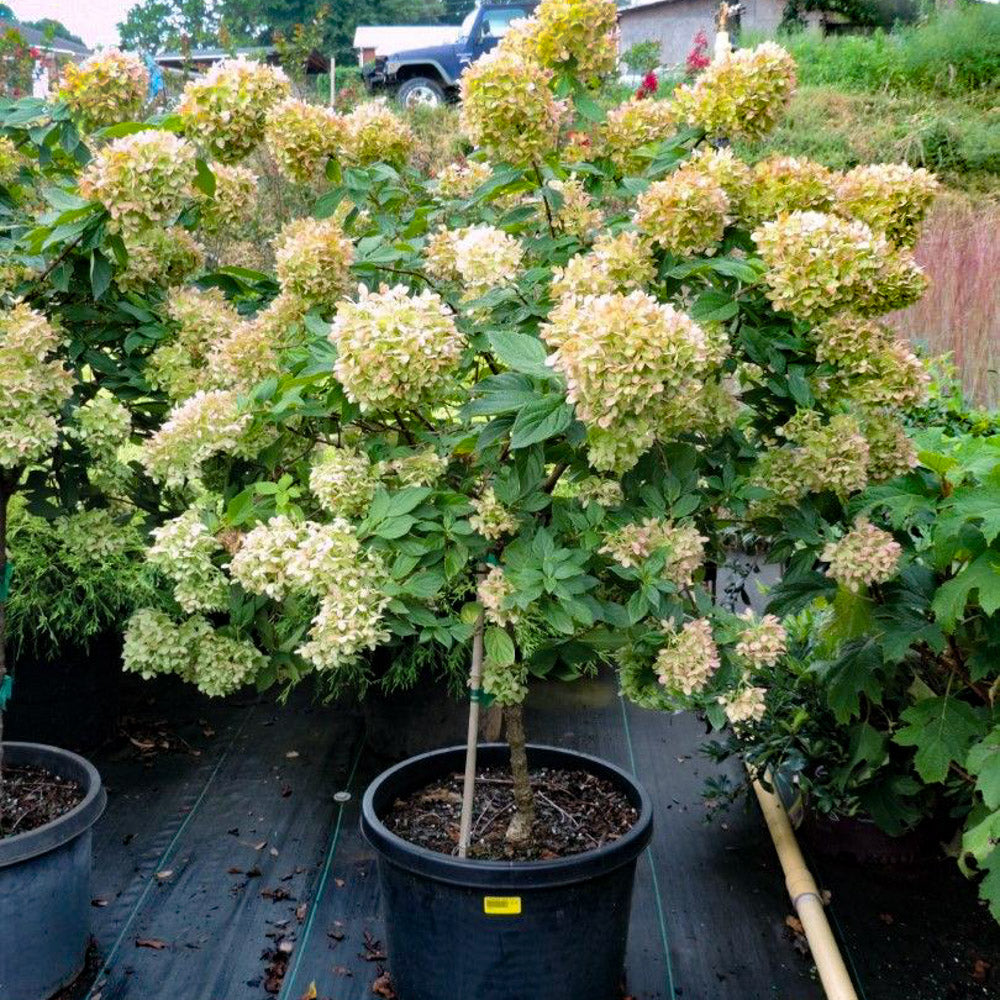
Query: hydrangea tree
column 526, row 405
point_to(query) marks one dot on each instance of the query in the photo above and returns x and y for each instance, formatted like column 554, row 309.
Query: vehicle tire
column 420, row 91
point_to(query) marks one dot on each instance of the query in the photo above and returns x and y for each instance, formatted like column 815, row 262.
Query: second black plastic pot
column 45, row 883
column 495, row 930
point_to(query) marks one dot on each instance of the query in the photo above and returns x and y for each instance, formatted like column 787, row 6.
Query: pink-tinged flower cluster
column 349, row 619
column 744, row 705
column 576, row 36
column 203, row 319
column 820, row 264
column 631, row 126
column 343, row 480
column 685, row 213
column 395, row 350
column 786, row 184
column 182, row 549
column 233, row 204
column 576, row 214
column 225, row 110
column 727, row 170
column 632, row 366
column 508, row 108
column 460, row 180
column 874, row 367
column 480, row 258
column 605, row 493
column 682, row 546
column 313, row 260
column 892, row 198
column 108, row 88
column 819, row 456
column 866, row 555
column 302, row 137
column 494, row 593
column 762, row 643
column 621, row 263
column 141, row 179
column 33, row 386
column 891, row 451
column 164, row 257
column 742, row 96
column 11, row 161
column 374, row 133
column 686, row 663
column 260, row 564
column 421, row 468
column 492, row 519
column 207, row 424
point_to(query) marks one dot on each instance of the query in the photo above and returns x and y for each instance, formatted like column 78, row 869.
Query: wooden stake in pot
column 472, row 741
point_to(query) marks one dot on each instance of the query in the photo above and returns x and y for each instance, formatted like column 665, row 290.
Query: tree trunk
column 5, row 492
column 522, row 825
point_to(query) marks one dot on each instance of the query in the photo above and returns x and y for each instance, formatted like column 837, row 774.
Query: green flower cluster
column 686, row 213
column 741, row 96
column 108, row 88
column 313, row 259
column 508, row 108
column 302, row 137
column 225, row 110
column 33, row 386
column 820, row 264
column 395, row 350
column 141, row 179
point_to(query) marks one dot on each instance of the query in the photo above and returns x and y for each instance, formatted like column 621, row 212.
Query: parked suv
column 430, row 75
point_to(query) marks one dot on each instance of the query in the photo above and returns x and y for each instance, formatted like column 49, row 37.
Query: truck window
column 496, row 22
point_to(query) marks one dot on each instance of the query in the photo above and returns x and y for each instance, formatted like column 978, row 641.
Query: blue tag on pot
column 8, row 572
column 6, row 691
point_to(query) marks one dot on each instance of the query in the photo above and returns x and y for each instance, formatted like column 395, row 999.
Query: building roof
column 39, row 40
column 388, row 38
column 209, row 55
column 638, row 5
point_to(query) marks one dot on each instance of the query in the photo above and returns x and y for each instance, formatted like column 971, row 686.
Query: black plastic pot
column 72, row 700
column 45, row 884
column 495, row 930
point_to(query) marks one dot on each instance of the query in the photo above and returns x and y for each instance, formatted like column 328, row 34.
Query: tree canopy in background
column 158, row 25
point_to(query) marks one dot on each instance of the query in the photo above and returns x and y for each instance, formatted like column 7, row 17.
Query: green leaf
column 984, row 762
column 981, row 575
column 941, row 729
column 989, row 888
column 975, row 503
column 100, row 273
column 499, row 646
column 852, row 615
column 587, row 107
column 395, row 527
column 714, row 306
column 520, row 352
column 856, row 672
column 204, row 179
column 406, row 499
column 425, row 584
column 540, row 420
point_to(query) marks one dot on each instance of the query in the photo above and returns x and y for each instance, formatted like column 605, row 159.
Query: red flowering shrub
column 697, row 58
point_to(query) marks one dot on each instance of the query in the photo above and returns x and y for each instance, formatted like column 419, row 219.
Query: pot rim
column 68, row 826
column 476, row 874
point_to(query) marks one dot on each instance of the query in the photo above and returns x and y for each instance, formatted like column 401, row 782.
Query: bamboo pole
column 472, row 740
column 806, row 899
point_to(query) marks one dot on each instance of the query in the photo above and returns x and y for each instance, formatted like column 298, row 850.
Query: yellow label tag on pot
column 502, row 906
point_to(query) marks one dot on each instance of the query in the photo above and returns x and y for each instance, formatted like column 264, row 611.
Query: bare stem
column 472, row 742
column 6, row 489
column 522, row 825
